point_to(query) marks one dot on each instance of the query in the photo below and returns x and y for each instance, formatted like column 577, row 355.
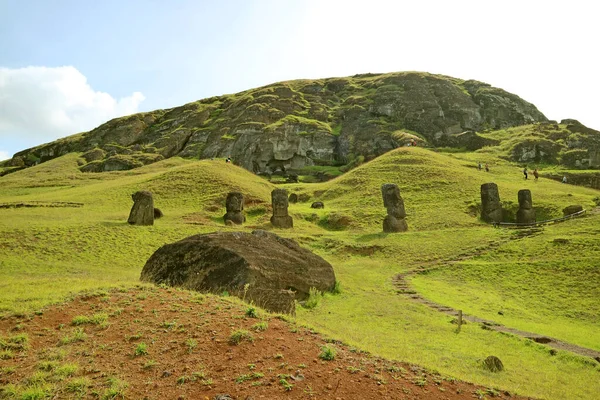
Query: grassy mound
column 48, row 254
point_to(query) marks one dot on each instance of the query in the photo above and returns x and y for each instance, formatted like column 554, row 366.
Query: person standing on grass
column 535, row 174
column 487, row 167
column 479, row 166
column 525, row 172
column 564, row 179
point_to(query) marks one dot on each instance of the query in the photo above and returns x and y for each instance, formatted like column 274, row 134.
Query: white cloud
column 41, row 104
column 4, row 155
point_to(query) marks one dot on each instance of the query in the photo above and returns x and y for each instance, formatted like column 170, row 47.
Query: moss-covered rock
column 301, row 123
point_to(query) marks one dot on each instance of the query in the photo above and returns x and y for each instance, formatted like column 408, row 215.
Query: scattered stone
column 540, row 339
column 293, row 198
column 561, row 241
column 395, row 220
column 95, row 154
column 276, row 270
column 491, row 209
column 317, row 204
column 142, row 212
column 500, row 312
column 526, row 212
column 572, row 209
column 303, row 197
column 222, row 397
column 158, row 213
column 493, row 364
column 234, row 206
column 280, row 218
column 338, row 221
column 166, row 374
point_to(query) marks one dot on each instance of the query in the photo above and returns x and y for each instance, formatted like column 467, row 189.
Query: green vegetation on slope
column 49, row 253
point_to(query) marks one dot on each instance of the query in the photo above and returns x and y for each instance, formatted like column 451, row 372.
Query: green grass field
column 48, row 254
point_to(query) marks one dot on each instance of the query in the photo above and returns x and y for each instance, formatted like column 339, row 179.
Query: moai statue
column 526, row 212
column 234, row 205
column 280, row 218
column 491, row 209
column 142, row 212
column 395, row 220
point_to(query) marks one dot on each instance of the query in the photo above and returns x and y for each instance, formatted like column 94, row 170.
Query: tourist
column 525, row 172
column 487, row 167
column 564, row 179
column 479, row 166
column 535, row 174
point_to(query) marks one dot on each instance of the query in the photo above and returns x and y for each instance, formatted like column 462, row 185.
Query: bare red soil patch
column 152, row 343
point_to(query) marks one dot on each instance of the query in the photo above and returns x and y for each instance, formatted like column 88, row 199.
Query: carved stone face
column 392, row 200
column 279, row 199
column 391, row 195
column 234, row 202
column 525, row 200
column 141, row 195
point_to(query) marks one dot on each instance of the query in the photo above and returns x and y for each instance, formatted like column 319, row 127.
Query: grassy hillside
column 47, row 254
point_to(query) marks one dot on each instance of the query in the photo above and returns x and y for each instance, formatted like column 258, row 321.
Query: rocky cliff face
column 293, row 124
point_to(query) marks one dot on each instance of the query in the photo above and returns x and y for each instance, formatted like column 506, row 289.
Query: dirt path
column 401, row 281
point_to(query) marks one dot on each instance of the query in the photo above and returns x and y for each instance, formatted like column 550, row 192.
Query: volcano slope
column 50, row 254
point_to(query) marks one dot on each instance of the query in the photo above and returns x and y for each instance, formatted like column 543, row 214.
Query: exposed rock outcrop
column 290, row 125
column 265, row 262
column 142, row 212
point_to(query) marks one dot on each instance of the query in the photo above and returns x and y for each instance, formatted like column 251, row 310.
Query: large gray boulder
column 269, row 265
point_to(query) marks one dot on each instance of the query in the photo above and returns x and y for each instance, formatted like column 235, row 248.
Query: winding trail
column 401, row 282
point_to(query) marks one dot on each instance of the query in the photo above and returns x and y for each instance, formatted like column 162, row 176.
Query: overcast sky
column 67, row 66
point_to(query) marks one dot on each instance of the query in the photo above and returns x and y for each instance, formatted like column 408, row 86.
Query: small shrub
column 314, row 298
column 141, row 349
column 336, row 288
column 248, row 377
column 251, row 312
column 260, row 326
column 286, row 385
column 116, row 389
column 327, row 353
column 66, row 370
column 149, row 364
column 239, row 336
column 78, row 386
column 78, row 335
column 191, row 344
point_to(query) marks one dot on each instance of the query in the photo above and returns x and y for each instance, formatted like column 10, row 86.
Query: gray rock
column 317, row 204
column 493, row 364
column 572, row 209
